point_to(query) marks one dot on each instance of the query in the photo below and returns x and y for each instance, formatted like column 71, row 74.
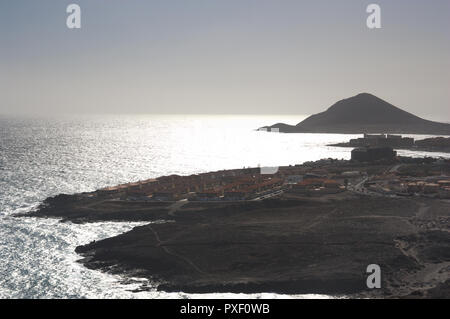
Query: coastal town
column 431, row 144
column 324, row 177
column 300, row 228
column 310, row 227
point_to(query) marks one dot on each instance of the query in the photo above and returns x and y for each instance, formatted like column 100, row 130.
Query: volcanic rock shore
column 289, row 246
column 293, row 244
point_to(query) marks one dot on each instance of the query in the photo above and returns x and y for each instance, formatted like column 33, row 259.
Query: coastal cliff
column 364, row 113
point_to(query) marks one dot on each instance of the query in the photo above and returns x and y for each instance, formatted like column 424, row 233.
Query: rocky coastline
column 295, row 243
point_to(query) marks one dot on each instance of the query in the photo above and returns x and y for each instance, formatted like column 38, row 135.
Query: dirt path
column 176, row 206
column 169, row 252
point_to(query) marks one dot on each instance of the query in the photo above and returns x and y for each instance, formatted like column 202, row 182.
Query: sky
column 222, row 56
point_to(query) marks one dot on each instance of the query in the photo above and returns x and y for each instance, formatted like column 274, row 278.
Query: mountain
column 364, row 113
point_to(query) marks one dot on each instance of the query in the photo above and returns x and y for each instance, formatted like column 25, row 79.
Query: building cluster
column 437, row 142
column 381, row 140
column 440, row 188
column 240, row 188
column 327, row 176
column 391, row 184
column 239, row 184
column 230, row 185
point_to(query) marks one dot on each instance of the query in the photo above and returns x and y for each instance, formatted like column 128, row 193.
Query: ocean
column 46, row 156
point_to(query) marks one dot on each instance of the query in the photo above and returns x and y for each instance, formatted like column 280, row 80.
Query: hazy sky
column 222, row 56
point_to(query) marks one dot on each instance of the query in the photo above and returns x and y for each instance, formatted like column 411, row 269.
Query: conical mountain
column 365, row 113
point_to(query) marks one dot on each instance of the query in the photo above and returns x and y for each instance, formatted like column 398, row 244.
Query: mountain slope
column 365, row 113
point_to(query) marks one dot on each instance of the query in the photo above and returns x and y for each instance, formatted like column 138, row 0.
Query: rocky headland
column 293, row 243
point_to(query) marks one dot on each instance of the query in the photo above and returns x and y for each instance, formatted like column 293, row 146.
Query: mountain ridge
column 364, row 113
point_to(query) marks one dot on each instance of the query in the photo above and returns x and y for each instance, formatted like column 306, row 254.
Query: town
column 388, row 175
column 340, row 215
column 433, row 144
